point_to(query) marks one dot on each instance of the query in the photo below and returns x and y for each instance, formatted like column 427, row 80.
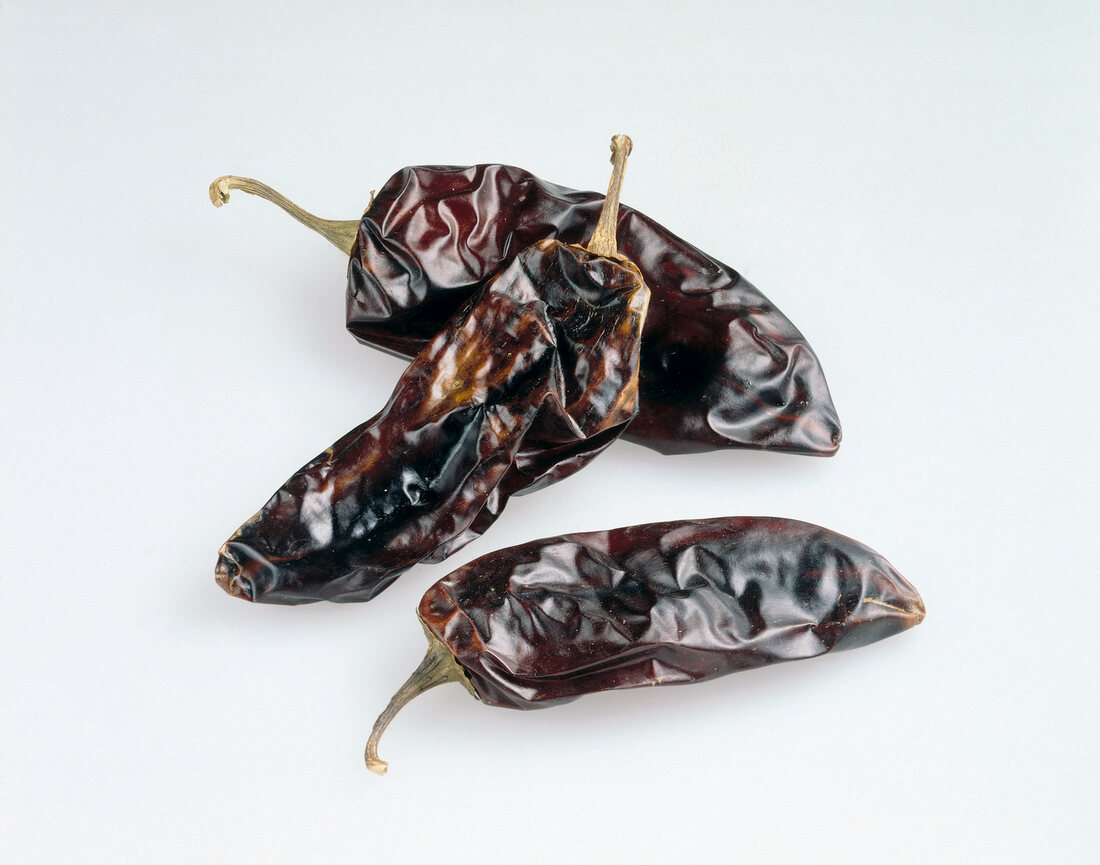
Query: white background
column 914, row 185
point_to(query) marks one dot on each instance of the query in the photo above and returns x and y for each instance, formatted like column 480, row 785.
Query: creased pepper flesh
column 721, row 366
column 532, row 379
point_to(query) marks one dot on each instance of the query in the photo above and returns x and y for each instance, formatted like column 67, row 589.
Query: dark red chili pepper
column 525, row 386
column 667, row 603
column 721, row 366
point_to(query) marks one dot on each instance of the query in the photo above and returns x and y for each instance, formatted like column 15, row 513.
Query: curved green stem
column 340, row 233
column 438, row 667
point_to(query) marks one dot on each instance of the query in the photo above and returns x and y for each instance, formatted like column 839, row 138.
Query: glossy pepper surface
column 666, row 603
column 721, row 366
column 526, row 385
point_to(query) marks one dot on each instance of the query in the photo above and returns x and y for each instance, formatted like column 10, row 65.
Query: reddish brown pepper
column 721, row 365
column 667, row 603
column 525, row 386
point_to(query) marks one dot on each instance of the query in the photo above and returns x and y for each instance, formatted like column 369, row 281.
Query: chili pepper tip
column 228, row 574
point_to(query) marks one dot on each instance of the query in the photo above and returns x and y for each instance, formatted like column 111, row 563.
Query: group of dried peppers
column 530, row 354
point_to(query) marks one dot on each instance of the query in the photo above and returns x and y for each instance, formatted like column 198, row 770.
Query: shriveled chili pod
column 721, row 365
column 544, row 622
column 525, row 386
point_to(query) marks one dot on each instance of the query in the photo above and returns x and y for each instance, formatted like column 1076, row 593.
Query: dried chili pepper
column 721, row 365
column 525, row 386
column 544, row 622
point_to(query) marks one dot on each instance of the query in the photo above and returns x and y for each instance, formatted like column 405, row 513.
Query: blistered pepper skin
column 523, row 387
column 665, row 603
column 721, row 366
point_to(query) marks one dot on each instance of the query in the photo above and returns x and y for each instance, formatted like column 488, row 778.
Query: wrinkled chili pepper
column 525, row 386
column 667, row 603
column 721, row 365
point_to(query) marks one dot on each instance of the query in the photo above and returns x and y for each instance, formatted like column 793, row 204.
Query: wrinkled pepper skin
column 721, row 366
column 528, row 383
column 545, row 622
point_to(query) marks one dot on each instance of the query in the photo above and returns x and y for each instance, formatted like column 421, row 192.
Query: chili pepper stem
column 438, row 667
column 603, row 238
column 340, row 233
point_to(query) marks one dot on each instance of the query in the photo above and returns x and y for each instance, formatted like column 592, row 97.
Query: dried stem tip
column 603, row 239
column 438, row 667
column 340, row 233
